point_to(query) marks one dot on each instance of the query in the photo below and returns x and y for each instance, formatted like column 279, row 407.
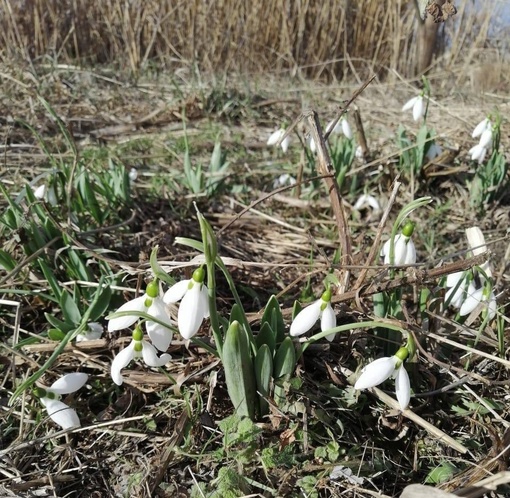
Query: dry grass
column 314, row 39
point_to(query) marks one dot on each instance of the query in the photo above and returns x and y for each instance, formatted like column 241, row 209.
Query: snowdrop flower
column 378, row 371
column 478, row 153
column 464, row 295
column 43, row 192
column 433, row 151
column 359, row 153
column 275, row 137
column 94, row 331
column 312, row 145
column 417, row 104
column 366, row 200
column 194, row 306
column 40, row 192
column 342, row 125
column 133, row 174
column 138, row 348
column 404, row 251
column 283, row 180
column 307, row 317
column 149, row 303
column 58, row 411
column 481, row 127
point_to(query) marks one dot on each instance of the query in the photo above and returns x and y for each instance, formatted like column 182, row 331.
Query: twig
column 434, row 431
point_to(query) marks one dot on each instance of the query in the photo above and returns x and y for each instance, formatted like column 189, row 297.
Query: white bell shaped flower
column 138, row 348
column 417, row 104
column 153, row 305
column 404, row 251
column 94, row 331
column 476, row 296
column 382, row 369
column 433, row 151
column 276, row 136
column 365, row 201
column 478, row 153
column 283, row 180
column 483, row 125
column 194, row 306
column 342, row 125
column 308, row 316
column 486, row 138
column 58, row 411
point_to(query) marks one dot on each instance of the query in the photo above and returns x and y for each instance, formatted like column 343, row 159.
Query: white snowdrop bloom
column 359, row 153
column 276, row 136
column 404, row 250
column 133, row 174
column 284, row 180
column 478, row 153
column 58, row 411
column 194, row 306
column 433, row 151
column 417, row 104
column 312, row 145
column 366, row 200
column 486, row 138
column 483, row 125
column 307, row 317
column 456, row 285
column 382, row 369
column 40, row 192
column 476, row 296
column 138, row 348
column 341, row 126
column 152, row 304
column 94, row 331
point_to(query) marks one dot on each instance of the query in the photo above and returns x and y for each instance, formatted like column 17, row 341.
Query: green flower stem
column 350, row 326
column 195, row 244
column 60, row 347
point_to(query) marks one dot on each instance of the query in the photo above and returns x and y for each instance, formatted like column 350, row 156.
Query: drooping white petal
column 40, row 191
column 346, row 128
column 410, row 258
column 160, row 335
column 455, row 295
column 433, row 151
column 306, row 319
column 285, row 143
column 478, row 153
column 123, row 322
column 176, row 292
column 492, row 306
column 151, row 358
column 121, row 361
column 486, row 138
column 69, row 383
column 410, row 104
column 328, row 321
column 191, row 312
column 95, row 331
column 473, row 298
column 400, row 251
column 328, row 318
column 61, row 414
column 313, row 146
column 275, row 137
column 376, row 373
column 454, row 278
column 481, row 127
column 402, row 387
column 418, row 109
column 365, row 200
column 205, row 300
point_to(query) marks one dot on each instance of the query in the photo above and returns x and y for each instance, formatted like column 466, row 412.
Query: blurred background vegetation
column 326, row 39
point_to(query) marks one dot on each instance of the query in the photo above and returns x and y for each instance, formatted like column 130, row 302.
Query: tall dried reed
column 328, row 38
